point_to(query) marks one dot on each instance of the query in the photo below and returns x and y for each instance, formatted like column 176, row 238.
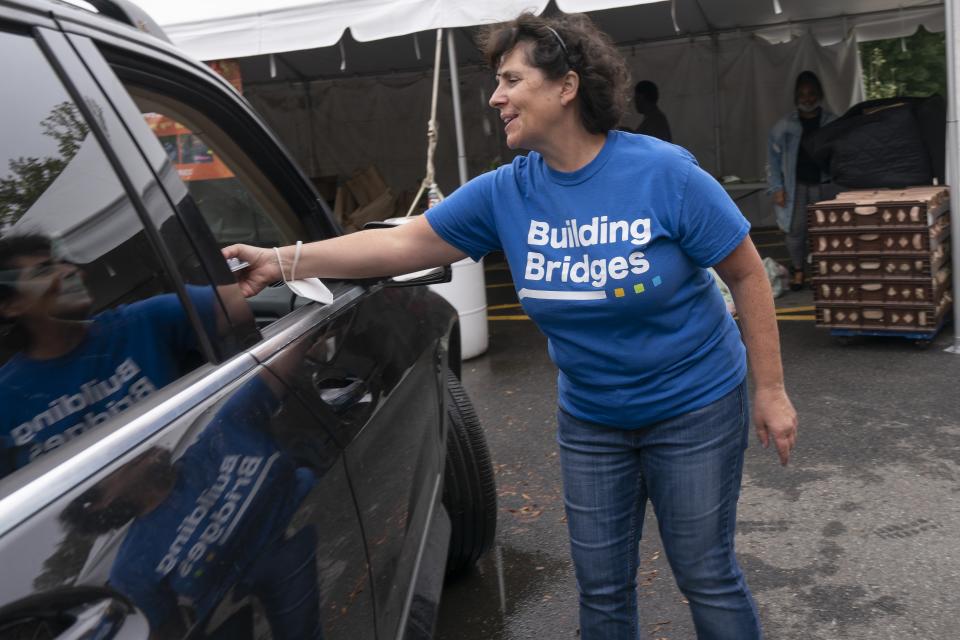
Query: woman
column 793, row 177
column 608, row 235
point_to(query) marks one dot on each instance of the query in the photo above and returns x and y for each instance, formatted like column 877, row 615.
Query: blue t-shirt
column 610, row 262
column 128, row 353
column 234, row 494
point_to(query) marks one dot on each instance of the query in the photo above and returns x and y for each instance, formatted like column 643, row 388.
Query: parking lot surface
column 855, row 539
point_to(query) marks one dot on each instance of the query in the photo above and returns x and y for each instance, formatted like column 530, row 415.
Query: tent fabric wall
column 381, row 120
column 756, row 89
column 683, row 72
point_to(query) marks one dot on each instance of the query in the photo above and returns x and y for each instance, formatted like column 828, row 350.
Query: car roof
column 110, row 14
column 120, row 23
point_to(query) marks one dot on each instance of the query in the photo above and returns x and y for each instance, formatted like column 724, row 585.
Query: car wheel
column 469, row 490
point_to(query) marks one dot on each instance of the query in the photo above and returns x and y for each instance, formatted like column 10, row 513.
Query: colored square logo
column 638, row 288
column 657, row 281
column 619, row 292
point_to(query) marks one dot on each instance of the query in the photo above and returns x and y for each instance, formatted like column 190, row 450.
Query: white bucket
column 467, row 292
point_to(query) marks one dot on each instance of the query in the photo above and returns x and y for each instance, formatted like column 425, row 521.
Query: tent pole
column 313, row 144
column 716, row 105
column 457, row 114
column 953, row 166
column 467, row 289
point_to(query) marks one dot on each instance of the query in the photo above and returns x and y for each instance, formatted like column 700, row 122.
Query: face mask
column 807, row 108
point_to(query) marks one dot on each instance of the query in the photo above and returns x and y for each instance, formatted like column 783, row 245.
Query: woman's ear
column 570, row 85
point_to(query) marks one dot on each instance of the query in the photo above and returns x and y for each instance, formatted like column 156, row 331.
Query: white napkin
column 310, row 288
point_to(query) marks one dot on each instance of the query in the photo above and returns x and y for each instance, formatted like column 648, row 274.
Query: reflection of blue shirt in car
column 234, row 494
column 128, row 353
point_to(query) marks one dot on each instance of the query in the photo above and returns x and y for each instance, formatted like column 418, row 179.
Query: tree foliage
column 29, row 177
column 911, row 66
column 66, row 126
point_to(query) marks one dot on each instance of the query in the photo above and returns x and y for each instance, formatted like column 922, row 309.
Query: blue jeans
column 690, row 468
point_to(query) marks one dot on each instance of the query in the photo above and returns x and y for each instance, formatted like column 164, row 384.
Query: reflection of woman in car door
column 211, row 521
column 68, row 372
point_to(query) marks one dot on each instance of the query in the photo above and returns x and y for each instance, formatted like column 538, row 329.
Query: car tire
column 469, row 489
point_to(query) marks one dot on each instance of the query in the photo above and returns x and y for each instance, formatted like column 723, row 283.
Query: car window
column 238, row 203
column 90, row 324
column 229, row 169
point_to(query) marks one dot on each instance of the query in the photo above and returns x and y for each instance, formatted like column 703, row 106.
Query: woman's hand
column 262, row 269
column 773, row 414
column 780, row 198
column 775, row 418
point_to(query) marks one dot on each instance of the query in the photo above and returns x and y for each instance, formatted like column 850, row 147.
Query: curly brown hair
column 562, row 43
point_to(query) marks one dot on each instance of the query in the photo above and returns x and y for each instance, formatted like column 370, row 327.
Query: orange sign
column 229, row 69
column 191, row 155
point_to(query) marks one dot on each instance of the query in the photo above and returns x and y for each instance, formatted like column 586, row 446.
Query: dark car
column 177, row 460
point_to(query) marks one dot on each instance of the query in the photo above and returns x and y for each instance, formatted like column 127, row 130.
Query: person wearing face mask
column 794, row 179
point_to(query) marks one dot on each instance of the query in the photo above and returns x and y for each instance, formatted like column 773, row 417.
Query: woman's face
column 48, row 287
column 529, row 103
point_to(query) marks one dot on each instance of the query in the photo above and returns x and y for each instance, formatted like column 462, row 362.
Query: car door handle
column 340, row 393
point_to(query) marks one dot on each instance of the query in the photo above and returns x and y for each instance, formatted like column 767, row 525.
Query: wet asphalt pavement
column 857, row 538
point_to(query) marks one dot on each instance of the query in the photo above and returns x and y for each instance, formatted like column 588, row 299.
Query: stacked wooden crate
column 881, row 261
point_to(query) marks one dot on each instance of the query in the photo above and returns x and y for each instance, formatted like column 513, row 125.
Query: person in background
column 794, row 179
column 645, row 97
column 609, row 235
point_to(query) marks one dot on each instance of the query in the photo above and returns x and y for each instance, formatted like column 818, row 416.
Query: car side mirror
column 433, row 275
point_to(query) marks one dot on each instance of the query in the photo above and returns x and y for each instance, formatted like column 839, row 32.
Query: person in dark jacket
column 645, row 97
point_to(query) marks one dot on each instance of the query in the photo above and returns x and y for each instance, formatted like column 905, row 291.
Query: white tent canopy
column 738, row 87
column 210, row 30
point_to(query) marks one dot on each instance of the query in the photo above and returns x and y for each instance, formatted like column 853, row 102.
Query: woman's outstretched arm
column 365, row 254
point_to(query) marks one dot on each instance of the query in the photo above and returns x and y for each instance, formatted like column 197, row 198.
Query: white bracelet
column 296, row 259
column 280, row 264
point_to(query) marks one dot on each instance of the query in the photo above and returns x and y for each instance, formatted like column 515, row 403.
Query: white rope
column 283, row 276
column 296, row 260
column 293, row 267
column 429, row 181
